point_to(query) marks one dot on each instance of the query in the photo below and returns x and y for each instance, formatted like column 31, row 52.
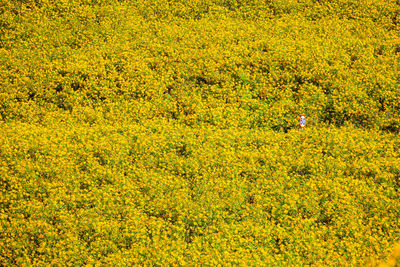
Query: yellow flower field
column 167, row 132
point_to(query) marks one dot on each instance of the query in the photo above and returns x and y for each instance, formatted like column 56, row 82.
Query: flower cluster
column 166, row 132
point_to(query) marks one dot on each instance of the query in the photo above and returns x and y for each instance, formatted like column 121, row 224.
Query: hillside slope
column 166, row 132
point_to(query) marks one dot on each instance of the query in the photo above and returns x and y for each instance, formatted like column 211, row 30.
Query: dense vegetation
column 166, row 132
